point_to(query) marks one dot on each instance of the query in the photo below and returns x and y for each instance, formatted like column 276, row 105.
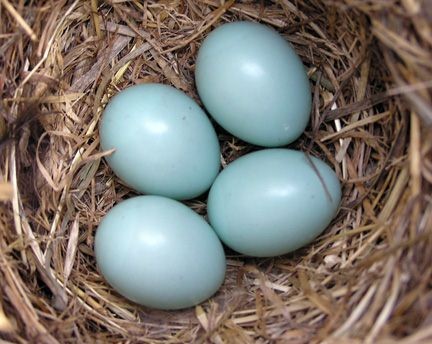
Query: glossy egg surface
column 273, row 201
column 159, row 253
column 253, row 84
column 164, row 142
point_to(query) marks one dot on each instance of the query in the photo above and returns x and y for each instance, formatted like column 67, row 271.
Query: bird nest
column 367, row 278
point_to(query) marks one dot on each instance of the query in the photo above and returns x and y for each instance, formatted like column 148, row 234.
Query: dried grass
column 368, row 278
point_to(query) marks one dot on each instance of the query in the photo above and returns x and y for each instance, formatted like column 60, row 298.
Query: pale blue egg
column 253, row 84
column 273, row 201
column 164, row 142
column 159, row 253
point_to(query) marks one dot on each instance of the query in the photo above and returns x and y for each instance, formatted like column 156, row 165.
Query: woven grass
column 366, row 279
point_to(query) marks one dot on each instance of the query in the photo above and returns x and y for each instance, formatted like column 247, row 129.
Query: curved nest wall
column 367, row 278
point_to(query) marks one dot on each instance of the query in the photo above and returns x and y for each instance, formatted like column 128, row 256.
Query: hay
column 367, row 278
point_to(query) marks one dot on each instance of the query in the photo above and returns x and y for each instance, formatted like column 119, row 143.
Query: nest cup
column 366, row 278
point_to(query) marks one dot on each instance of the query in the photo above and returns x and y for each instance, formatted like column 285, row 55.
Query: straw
column 367, row 278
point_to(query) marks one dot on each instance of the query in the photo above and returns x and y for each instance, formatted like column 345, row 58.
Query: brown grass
column 367, row 278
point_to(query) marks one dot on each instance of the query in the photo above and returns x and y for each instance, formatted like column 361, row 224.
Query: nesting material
column 367, row 278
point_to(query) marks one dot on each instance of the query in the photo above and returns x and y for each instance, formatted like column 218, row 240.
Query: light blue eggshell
column 165, row 144
column 253, row 84
column 159, row 253
column 273, row 201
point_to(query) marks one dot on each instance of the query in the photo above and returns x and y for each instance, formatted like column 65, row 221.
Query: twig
column 27, row 29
